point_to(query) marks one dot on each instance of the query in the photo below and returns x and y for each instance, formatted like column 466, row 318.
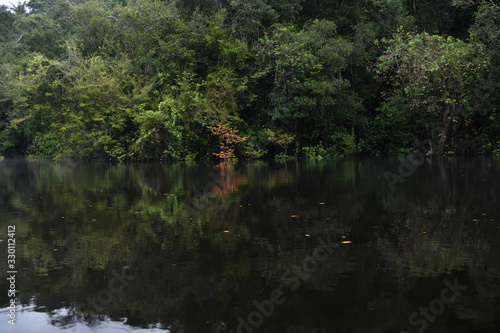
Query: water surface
column 259, row 247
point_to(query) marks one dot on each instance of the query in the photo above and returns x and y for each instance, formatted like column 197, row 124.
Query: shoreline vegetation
column 144, row 80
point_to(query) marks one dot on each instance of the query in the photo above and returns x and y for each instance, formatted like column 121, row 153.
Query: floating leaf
column 227, row 231
column 346, row 242
column 307, row 235
column 293, row 215
column 321, row 203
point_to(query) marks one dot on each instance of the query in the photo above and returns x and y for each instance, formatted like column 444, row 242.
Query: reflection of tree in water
column 71, row 317
column 199, row 269
column 228, row 180
column 447, row 232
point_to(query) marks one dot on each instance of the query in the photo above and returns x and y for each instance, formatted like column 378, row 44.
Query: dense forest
column 190, row 79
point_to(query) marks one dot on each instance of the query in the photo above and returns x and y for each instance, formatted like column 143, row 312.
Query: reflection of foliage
column 228, row 181
column 198, row 267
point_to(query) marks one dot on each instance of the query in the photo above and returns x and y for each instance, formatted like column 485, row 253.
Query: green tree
column 463, row 3
column 486, row 100
column 281, row 139
column 305, row 68
column 80, row 107
column 251, row 19
column 434, row 72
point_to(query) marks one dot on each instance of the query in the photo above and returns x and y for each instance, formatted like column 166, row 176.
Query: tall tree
column 305, row 67
column 434, row 72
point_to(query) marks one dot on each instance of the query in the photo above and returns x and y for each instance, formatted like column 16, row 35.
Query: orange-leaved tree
column 229, row 140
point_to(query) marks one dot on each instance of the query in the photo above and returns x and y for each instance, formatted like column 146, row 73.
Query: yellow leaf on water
column 227, row 231
column 346, row 242
column 321, row 203
column 307, row 235
column 293, row 215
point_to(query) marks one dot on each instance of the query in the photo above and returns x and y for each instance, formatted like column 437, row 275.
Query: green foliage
column 253, row 149
column 251, row 19
column 304, row 71
column 350, row 143
column 160, row 131
column 434, row 72
column 144, row 79
column 486, row 29
column 281, row 139
column 316, row 153
column 80, row 107
column 229, row 50
column 396, row 127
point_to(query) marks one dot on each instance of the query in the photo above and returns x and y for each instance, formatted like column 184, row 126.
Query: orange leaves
column 229, row 141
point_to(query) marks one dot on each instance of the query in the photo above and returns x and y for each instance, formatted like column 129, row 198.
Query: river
column 350, row 245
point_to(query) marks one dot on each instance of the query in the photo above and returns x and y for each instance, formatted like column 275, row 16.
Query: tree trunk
column 446, row 123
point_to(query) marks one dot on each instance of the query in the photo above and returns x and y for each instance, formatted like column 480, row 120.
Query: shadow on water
column 298, row 247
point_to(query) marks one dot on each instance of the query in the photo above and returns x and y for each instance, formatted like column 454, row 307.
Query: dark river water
column 352, row 245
